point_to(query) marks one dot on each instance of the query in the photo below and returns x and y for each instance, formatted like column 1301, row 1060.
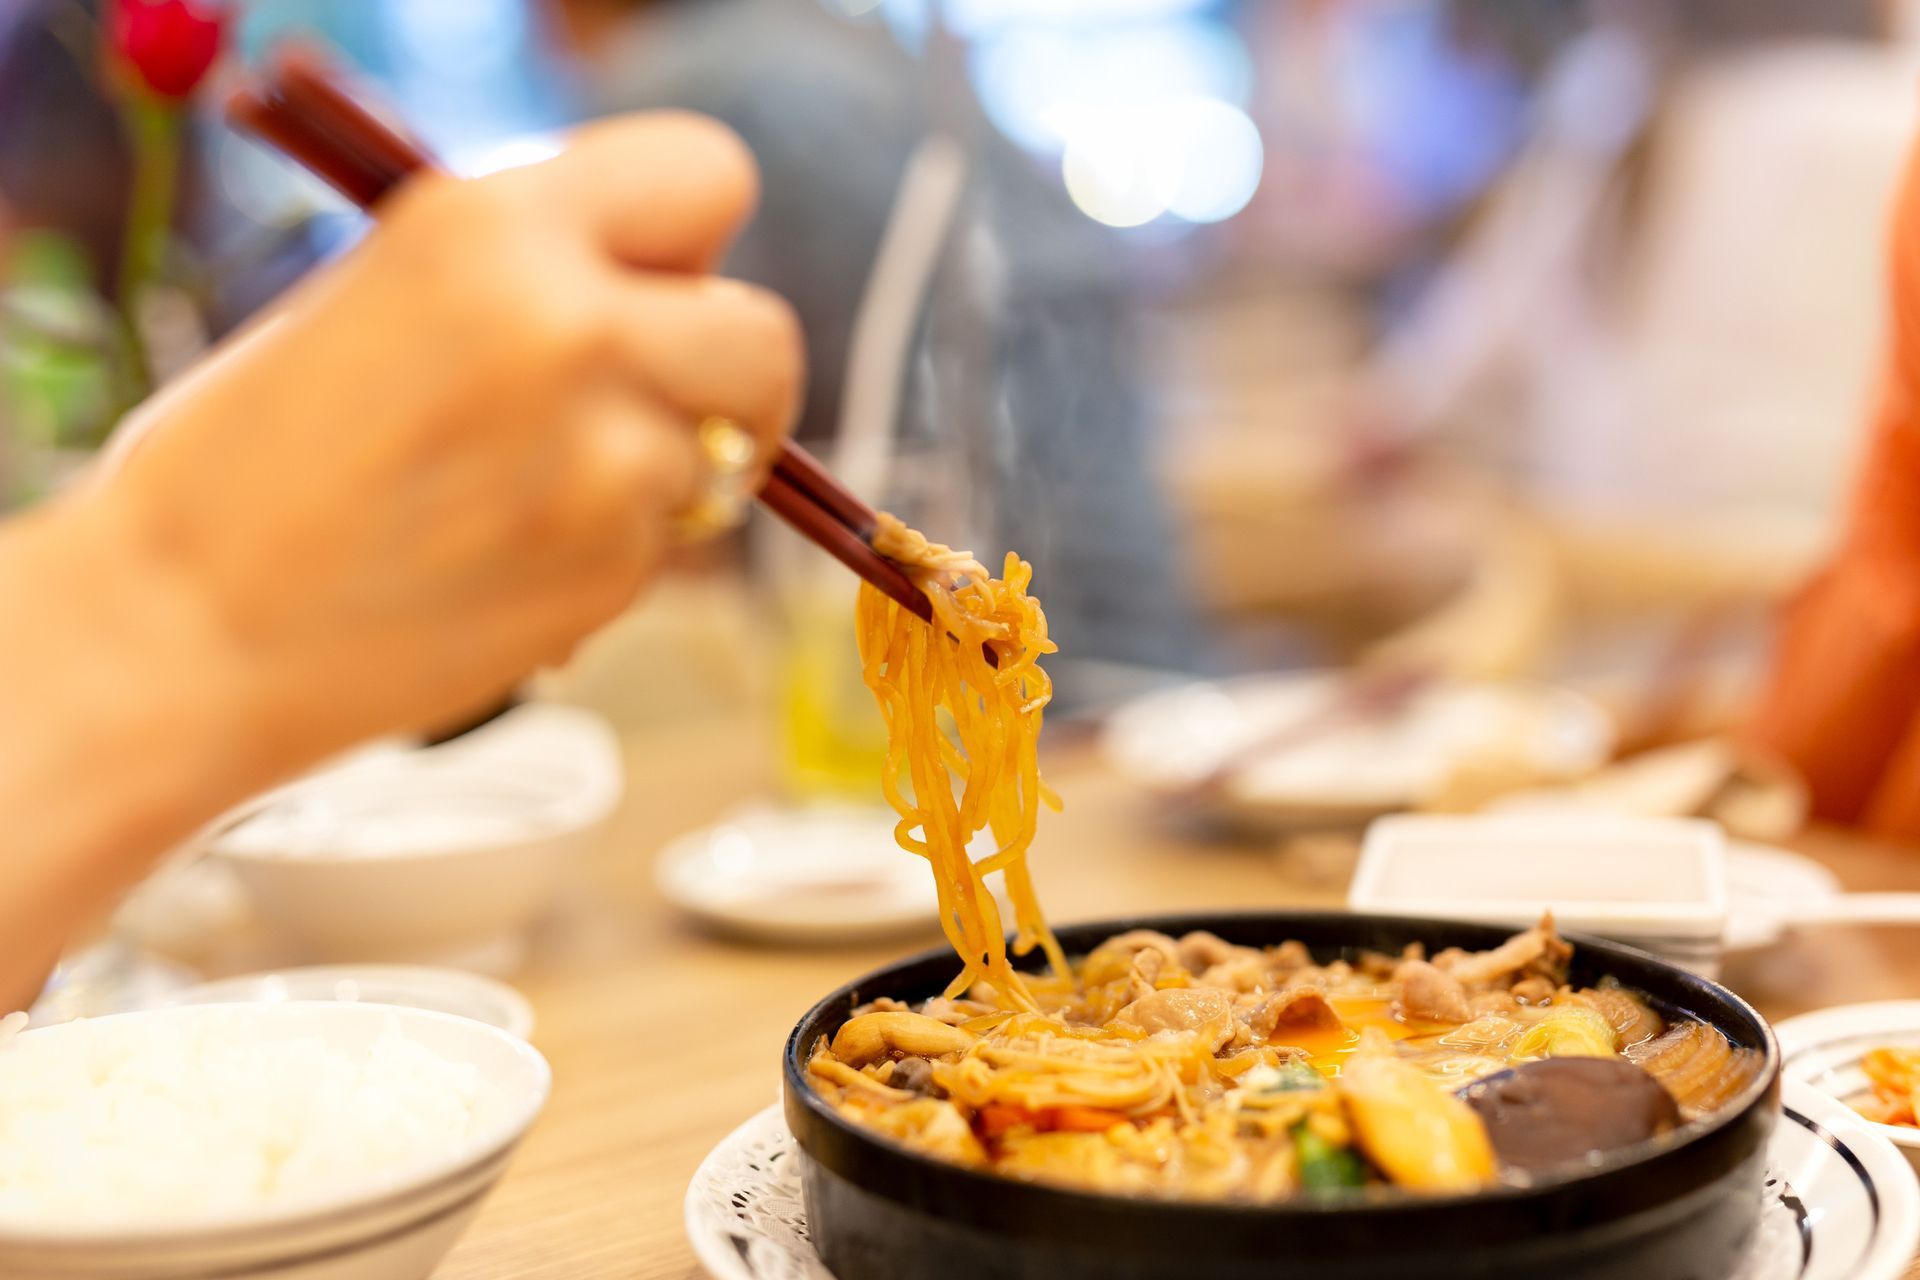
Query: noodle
column 1164, row 1068
column 952, row 716
column 1188, row 1067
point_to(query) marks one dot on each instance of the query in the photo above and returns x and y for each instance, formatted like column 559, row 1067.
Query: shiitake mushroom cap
column 1546, row 1114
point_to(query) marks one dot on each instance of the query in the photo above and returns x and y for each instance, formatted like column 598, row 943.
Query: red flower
column 167, row 45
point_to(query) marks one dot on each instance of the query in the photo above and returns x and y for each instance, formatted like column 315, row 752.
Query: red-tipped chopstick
column 302, row 109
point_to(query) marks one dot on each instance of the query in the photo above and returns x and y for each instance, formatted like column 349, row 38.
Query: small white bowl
column 1655, row 883
column 427, row 854
column 1824, row 1049
column 394, row 1227
column 464, row 995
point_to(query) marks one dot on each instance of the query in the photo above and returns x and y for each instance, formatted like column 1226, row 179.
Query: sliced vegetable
column 1570, row 1031
column 1325, row 1166
column 998, row 1118
column 1081, row 1119
column 1897, row 1070
column 1417, row 1133
column 1700, row 1067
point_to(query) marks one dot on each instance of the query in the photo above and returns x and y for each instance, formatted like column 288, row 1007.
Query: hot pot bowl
column 1681, row 1207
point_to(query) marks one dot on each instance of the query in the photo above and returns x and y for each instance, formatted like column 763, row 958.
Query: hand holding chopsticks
column 302, row 109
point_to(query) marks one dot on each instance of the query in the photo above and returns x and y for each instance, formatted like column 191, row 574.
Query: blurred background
column 1508, row 339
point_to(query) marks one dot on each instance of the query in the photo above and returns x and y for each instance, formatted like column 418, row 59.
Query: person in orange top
column 1841, row 700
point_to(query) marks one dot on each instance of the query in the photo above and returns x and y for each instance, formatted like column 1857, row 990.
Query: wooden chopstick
column 815, row 522
column 804, row 472
column 303, row 111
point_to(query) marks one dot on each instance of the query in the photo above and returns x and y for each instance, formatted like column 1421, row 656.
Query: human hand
column 459, row 450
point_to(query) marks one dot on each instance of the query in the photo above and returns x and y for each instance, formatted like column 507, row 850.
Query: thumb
column 661, row 191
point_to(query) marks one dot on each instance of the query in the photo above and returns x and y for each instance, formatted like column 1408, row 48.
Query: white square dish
column 1655, row 883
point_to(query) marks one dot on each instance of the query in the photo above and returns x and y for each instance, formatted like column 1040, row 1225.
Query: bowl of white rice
column 298, row 1141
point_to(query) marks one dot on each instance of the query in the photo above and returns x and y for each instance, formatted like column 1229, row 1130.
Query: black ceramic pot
column 1680, row 1208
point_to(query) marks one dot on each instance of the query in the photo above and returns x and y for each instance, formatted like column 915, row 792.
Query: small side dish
column 1895, row 1074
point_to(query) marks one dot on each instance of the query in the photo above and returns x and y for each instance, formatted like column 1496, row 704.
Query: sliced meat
column 1136, row 959
column 1198, row 1010
column 1143, row 980
column 1202, row 950
column 1539, row 951
column 1318, row 977
column 1378, row 964
column 1293, row 1012
column 1245, row 973
column 1137, row 940
column 1429, row 995
column 1288, row 956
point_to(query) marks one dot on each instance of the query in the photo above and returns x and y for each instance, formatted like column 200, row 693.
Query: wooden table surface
column 663, row 1038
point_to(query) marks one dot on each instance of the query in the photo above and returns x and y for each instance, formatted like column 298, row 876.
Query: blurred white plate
column 465, row 995
column 1765, row 886
column 1824, row 1048
column 1839, row 1203
column 1174, row 740
column 817, row 874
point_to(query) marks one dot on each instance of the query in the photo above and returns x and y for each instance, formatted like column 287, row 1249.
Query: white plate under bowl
column 1170, row 740
column 822, row 874
column 1824, row 1048
column 1764, row 886
column 1840, row 1204
column 464, row 995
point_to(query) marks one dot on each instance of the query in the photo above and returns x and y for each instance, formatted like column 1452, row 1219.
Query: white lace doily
column 747, row 1222
column 744, row 1213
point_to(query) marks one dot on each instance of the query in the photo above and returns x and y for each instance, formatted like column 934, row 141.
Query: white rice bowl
column 190, row 1119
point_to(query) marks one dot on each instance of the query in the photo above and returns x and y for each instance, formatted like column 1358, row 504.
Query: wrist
column 123, row 681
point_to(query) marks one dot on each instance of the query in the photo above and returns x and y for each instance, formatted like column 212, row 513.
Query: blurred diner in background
column 1491, row 409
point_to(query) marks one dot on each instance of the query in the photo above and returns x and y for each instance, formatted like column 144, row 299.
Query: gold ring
column 727, row 451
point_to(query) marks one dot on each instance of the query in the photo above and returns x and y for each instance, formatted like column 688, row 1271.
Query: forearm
column 123, row 728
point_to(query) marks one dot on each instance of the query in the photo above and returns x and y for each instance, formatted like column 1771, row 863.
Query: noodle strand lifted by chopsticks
column 952, row 716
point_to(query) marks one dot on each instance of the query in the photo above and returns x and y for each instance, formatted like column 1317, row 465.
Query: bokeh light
column 1142, row 102
column 1223, row 159
column 1198, row 159
column 1031, row 78
column 978, row 17
column 1118, row 171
